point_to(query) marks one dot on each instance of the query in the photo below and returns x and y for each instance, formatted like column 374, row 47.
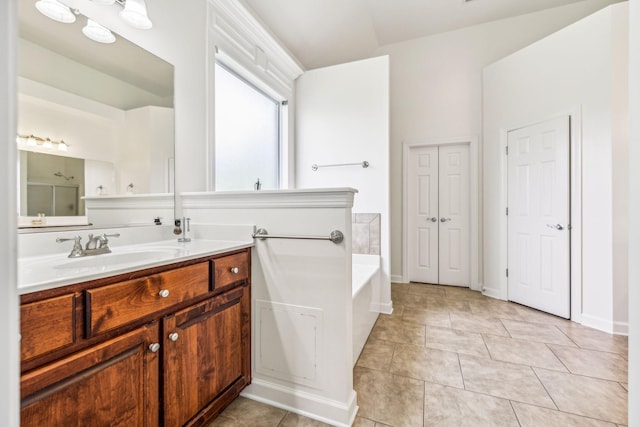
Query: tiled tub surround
column 365, row 228
column 450, row 357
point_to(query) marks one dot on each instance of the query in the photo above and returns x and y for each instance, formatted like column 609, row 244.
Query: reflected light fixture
column 135, row 14
column 97, row 32
column 55, row 10
column 38, row 141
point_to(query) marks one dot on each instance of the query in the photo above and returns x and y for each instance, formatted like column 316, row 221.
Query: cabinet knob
column 154, row 347
column 164, row 293
column 173, row 336
column 234, row 270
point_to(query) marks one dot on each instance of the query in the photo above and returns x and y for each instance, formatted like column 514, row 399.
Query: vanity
column 165, row 344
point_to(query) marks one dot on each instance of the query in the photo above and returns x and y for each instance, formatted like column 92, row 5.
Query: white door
column 538, row 216
column 454, row 215
column 423, row 214
column 438, row 217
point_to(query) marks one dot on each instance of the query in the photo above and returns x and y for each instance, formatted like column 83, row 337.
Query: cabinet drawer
column 112, row 306
column 47, row 325
column 230, row 269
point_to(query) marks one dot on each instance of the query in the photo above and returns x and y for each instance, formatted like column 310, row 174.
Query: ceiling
column 328, row 32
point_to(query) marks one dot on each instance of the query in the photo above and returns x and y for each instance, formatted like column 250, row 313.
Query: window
column 247, row 134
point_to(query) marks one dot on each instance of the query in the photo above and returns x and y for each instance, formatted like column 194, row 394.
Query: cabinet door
column 114, row 383
column 206, row 356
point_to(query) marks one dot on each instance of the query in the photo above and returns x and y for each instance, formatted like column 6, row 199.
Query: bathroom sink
column 120, row 258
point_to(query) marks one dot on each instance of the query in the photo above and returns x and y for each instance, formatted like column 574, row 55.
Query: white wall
column 569, row 72
column 301, row 296
column 10, row 355
column 46, row 112
column 342, row 116
column 436, row 88
column 634, row 213
column 179, row 37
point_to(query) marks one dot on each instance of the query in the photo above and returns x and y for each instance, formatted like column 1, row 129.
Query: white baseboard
column 605, row 325
column 310, row 405
column 384, row 308
column 396, row 278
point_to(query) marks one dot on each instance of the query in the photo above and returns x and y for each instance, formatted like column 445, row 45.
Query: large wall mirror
column 94, row 119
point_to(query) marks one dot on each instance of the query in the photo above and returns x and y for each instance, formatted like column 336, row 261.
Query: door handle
column 432, row 219
column 557, row 226
column 445, row 219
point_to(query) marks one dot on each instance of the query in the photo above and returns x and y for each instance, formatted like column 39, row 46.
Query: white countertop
column 39, row 273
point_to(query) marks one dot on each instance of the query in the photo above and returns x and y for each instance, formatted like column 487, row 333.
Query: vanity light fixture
column 55, row 10
column 97, row 32
column 38, row 141
column 135, row 14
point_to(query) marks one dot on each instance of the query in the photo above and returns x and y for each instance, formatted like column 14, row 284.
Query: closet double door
column 438, row 214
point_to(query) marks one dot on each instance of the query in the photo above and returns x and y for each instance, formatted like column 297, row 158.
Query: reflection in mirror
column 110, row 104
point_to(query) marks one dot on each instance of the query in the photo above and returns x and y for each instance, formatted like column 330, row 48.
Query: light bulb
column 97, row 32
column 135, row 14
column 55, row 10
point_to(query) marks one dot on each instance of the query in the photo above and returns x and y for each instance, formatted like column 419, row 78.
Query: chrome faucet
column 77, row 250
column 95, row 246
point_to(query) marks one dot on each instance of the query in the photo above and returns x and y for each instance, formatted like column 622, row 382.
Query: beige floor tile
column 456, row 341
column 477, row 323
column 246, row 412
column 389, row 399
column 424, row 289
column 591, row 397
column 363, row 422
column 532, row 315
column 376, row 354
column 295, row 420
column 427, row 317
column 591, row 363
column 536, row 332
column 495, row 308
column 522, row 352
column 437, row 366
column 625, row 385
column 447, row 406
column 398, row 311
column 502, row 379
column 457, row 292
column 446, row 304
column 394, row 330
column 593, row 339
column 410, row 300
column 534, row 416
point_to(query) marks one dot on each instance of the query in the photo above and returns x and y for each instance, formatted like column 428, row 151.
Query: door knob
column 432, row 219
column 557, row 226
column 173, row 336
column 445, row 219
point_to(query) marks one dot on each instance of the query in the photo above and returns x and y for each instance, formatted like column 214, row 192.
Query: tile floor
column 448, row 356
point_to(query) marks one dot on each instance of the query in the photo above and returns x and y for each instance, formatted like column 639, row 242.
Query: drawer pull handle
column 164, row 293
column 173, row 337
column 234, row 270
column 154, row 347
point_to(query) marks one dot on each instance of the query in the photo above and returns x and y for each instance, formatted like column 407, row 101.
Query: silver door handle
column 432, row 219
column 445, row 219
column 557, row 226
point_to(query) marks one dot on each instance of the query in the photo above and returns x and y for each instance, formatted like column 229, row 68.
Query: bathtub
column 365, row 283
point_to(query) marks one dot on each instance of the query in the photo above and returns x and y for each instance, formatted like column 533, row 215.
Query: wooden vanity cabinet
column 114, row 383
column 122, row 362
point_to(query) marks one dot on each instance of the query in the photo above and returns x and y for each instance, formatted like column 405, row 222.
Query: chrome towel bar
column 364, row 164
column 336, row 236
